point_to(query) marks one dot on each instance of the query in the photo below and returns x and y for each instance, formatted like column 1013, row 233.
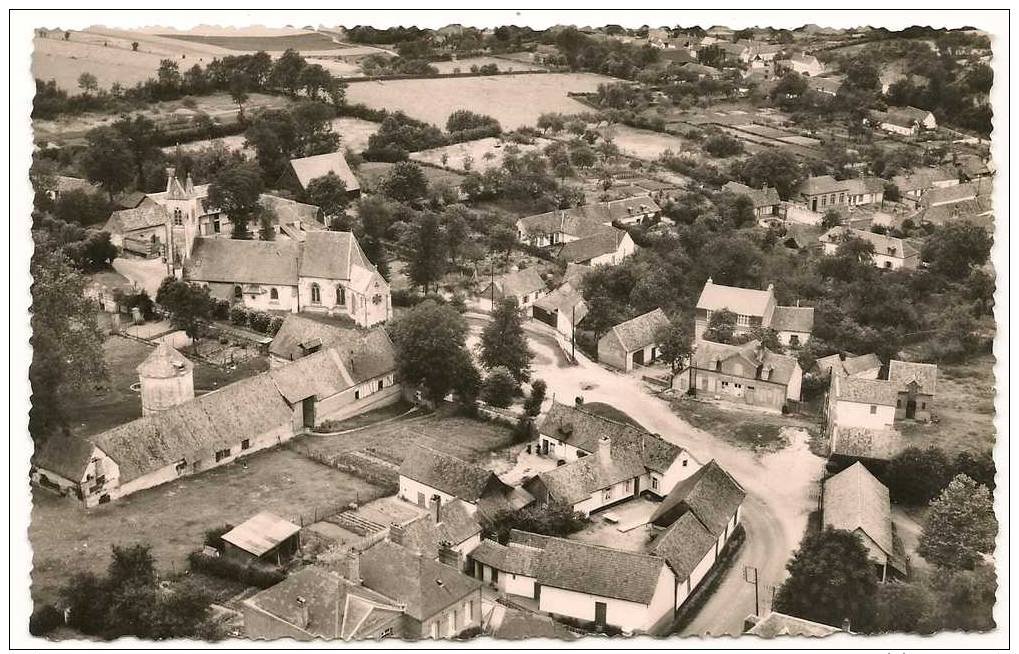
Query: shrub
column 532, row 406
column 239, row 315
column 275, row 324
column 214, row 536
column 259, row 321
column 221, row 310
column 499, row 387
column 252, row 574
column 45, row 619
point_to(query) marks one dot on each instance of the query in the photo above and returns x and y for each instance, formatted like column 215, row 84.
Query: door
column 537, row 591
column 308, row 407
column 638, row 357
column 636, row 486
column 600, row 611
column 813, row 204
column 911, row 408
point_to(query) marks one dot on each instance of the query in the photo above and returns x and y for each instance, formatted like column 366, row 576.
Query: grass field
column 115, row 403
column 464, row 65
column 644, row 144
column 484, row 154
column 252, row 43
column 354, row 132
column 513, row 100
column 172, row 518
column 370, row 173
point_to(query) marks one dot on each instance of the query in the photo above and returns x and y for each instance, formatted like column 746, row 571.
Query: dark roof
column 855, row 499
column 447, row 473
column 564, row 299
column 585, row 249
column 237, row 261
column 424, row 586
column 528, row 539
column 143, row 216
column 67, row 456
column 684, row 544
column 793, row 319
column 299, row 333
column 600, row 571
column 779, row 367
column 710, row 493
column 517, row 624
column 903, row 373
column 520, row 282
column 578, row 479
column 637, row 333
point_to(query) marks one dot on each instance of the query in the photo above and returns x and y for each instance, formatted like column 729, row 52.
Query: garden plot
column 464, row 65
column 514, row 100
column 479, row 155
column 642, row 143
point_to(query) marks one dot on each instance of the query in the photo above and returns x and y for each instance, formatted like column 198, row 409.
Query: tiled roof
column 298, row 329
column 639, row 332
column 590, row 247
column 319, row 375
column 793, row 319
column 600, row 571
column 260, row 533
column 578, row 479
column 855, row 365
column 67, row 456
column 331, row 255
column 236, row 261
column 710, row 493
column 520, row 282
column 855, row 499
column 765, row 197
column 684, row 544
column 286, row 211
column 309, row 168
column 779, row 624
column 164, row 362
column 950, row 194
column 822, row 184
column 744, row 301
column 923, row 179
column 145, row 215
column 865, row 443
column 456, row 523
column 528, row 539
column 779, row 367
column 424, row 586
column 902, row 373
column 575, row 273
column 865, row 391
column 564, row 299
column 447, row 473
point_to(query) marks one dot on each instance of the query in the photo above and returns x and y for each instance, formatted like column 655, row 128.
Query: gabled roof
column 591, row 247
column 261, row 533
column 64, row 183
column 765, row 197
column 793, row 319
column 319, row 375
column 331, row 255
column 322, row 603
column 456, row 523
column 684, row 544
column 287, row 212
column 300, row 333
column 447, row 473
column 513, row 559
column 145, row 215
column 521, row 538
column 238, row 261
column 566, row 298
column 821, row 184
column 865, row 391
column 744, row 301
column 855, row 365
column 776, row 368
column 578, row 479
column 196, row 429
column 639, row 332
column 424, row 586
column 779, row 624
column 309, row 168
column 865, row 443
column 950, row 194
column 67, row 456
column 520, row 283
column 572, row 222
column 711, row 494
column 923, row 179
column 855, row 499
column 885, row 245
column 599, row 571
column 903, row 373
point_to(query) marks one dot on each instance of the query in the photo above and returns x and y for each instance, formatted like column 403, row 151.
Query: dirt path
column 781, row 486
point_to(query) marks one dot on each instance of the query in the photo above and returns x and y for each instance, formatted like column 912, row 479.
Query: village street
column 781, row 486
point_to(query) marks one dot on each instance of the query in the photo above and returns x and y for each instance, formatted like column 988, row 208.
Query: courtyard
column 623, row 526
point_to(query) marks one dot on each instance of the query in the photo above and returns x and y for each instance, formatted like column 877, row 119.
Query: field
column 484, row 154
column 742, row 426
column 513, row 100
column 464, row 65
column 116, row 403
column 642, row 143
column 302, row 42
column 354, row 132
column 371, row 172
column 67, row 539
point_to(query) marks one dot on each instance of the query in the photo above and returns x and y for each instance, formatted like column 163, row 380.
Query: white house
column 511, row 568
column 563, row 309
column 857, row 402
column 525, row 286
column 634, row 342
column 753, row 308
column 890, row 253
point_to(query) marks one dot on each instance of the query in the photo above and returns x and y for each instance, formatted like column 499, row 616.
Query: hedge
column 252, row 574
column 239, row 315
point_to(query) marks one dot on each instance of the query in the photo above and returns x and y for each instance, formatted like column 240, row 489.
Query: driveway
column 781, row 486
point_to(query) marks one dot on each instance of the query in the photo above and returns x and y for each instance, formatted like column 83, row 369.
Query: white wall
column 628, row 616
column 410, row 488
column 784, row 337
column 795, row 383
column 598, row 499
column 343, row 404
column 676, row 473
column 857, row 414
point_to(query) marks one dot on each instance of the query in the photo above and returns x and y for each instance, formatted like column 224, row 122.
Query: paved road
column 781, row 486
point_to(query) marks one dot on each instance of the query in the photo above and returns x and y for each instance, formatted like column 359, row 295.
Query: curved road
column 781, row 486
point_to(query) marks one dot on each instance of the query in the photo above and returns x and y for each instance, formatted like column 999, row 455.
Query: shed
column 264, row 536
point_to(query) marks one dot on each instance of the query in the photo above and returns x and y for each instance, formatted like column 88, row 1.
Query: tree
column 736, row 208
column 674, row 344
column 82, row 207
column 107, row 160
column 190, row 305
column 499, row 387
column 960, row 526
column 831, row 579
column 502, row 238
column 773, row 167
column 426, row 255
column 831, row 218
column 131, row 565
column 455, row 230
column 67, row 343
column 532, row 406
column 551, row 122
column 286, row 71
column 503, row 343
column 406, row 182
column 239, row 94
column 721, row 327
column 134, row 46
column 314, row 79
column 141, row 135
column 955, row 248
column 916, row 475
column 463, row 119
column 553, row 519
column 88, row 83
column 329, row 194
column 430, row 340
column 722, row 145
column 236, row 191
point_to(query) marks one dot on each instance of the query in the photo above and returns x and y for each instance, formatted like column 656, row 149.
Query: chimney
column 846, row 626
column 605, row 449
column 171, row 172
column 302, row 612
column 436, row 504
column 449, row 556
column 709, row 282
column 396, row 533
column 353, row 567
column 771, row 288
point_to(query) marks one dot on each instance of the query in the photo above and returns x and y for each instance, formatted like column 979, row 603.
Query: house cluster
column 904, row 121
column 863, row 406
column 325, row 376
column 889, row 252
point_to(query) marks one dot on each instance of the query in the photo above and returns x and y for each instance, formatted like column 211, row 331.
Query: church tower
column 182, row 208
column 167, row 379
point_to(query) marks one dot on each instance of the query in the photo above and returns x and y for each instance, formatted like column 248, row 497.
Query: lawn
column 354, row 132
column 741, row 426
column 644, row 144
column 611, row 412
column 483, row 154
column 67, row 538
column 115, row 403
column 513, row 100
column 250, row 43
column 464, row 65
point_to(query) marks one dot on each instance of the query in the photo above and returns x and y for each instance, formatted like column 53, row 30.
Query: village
column 356, row 333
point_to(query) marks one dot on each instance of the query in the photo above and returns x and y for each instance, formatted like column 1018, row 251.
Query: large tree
column 406, row 182
column 674, row 344
column 503, row 342
column 960, row 526
column 236, row 190
column 431, row 351
column 830, row 580
column 721, row 327
column 142, row 137
column 190, row 305
column 67, row 343
column 329, row 194
column 916, row 475
column 426, row 254
column 108, row 160
column 773, row 167
column 954, row 249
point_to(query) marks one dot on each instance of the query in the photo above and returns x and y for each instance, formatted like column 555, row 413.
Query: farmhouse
column 915, row 384
column 525, row 286
column 905, row 121
column 889, row 252
column 854, row 500
column 915, row 185
column 584, row 235
column 562, row 309
column 605, row 248
column 866, row 366
column 946, row 195
column 766, row 200
column 825, row 192
column 264, row 537
column 301, row 335
column 753, row 309
column 327, row 273
column 857, row 402
column 634, row 342
column 825, row 85
column 511, row 569
column 804, row 64
column 302, row 171
column 746, row 374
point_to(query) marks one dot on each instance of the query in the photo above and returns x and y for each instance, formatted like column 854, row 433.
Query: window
column 629, row 485
column 316, row 294
column 654, row 480
column 469, row 610
column 216, row 226
column 222, row 454
column 685, row 462
column 435, row 629
column 607, row 494
column 386, row 633
column 842, row 198
column 274, row 294
column 873, row 409
column 898, row 404
column 341, row 295
column 824, row 201
column 182, row 467
column 923, row 405
column 718, row 366
column 245, row 444
column 452, row 622
column 381, row 383
column 178, row 217
column 238, row 293
column 357, row 394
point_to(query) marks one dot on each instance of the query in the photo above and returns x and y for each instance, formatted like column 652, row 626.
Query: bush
column 532, row 406
column 239, row 315
column 221, row 310
column 45, row 619
column 499, row 387
column 214, row 536
column 275, row 324
column 252, row 574
column 259, row 321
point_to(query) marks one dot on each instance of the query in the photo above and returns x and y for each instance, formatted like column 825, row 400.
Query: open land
column 464, row 65
column 644, row 144
column 481, row 154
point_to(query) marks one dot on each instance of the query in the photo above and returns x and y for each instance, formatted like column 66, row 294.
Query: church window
column 238, row 293
column 274, row 294
column 316, row 294
column 341, row 295
column 178, row 217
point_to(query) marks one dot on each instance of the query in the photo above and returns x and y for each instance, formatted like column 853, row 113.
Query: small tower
column 167, row 379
